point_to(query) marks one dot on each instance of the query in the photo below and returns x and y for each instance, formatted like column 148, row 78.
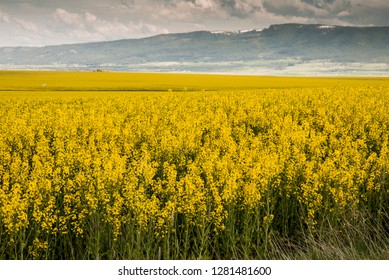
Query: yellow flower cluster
column 72, row 164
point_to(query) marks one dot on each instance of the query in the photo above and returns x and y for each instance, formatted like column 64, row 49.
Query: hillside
column 279, row 49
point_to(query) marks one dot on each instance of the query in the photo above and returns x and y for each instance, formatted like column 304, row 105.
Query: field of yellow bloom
column 168, row 166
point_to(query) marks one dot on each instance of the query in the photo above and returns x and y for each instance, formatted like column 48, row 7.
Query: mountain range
column 285, row 49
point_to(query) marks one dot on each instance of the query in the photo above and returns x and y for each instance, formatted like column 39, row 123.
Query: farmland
column 179, row 166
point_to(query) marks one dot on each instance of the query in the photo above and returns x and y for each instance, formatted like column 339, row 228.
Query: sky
column 43, row 22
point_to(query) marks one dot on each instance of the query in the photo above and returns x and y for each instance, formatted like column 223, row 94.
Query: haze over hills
column 286, row 49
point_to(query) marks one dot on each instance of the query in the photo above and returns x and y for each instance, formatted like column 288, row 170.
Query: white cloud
column 90, row 17
column 182, row 12
column 89, row 27
column 206, row 4
column 29, row 26
column 21, row 23
column 343, row 14
column 248, row 6
column 4, row 17
column 67, row 17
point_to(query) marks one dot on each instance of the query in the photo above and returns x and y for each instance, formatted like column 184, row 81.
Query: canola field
column 169, row 166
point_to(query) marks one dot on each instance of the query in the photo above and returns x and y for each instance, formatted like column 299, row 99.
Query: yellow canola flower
column 153, row 161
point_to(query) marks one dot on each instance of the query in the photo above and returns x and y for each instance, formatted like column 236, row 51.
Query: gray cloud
column 242, row 8
column 346, row 12
column 295, row 8
column 234, row 8
column 128, row 3
column 373, row 12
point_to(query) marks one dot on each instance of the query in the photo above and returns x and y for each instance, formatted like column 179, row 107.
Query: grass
column 361, row 239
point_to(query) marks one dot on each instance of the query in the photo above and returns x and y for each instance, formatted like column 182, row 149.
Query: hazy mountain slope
column 343, row 44
column 277, row 47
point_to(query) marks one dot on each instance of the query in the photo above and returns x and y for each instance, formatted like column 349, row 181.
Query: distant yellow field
column 144, row 166
column 107, row 81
